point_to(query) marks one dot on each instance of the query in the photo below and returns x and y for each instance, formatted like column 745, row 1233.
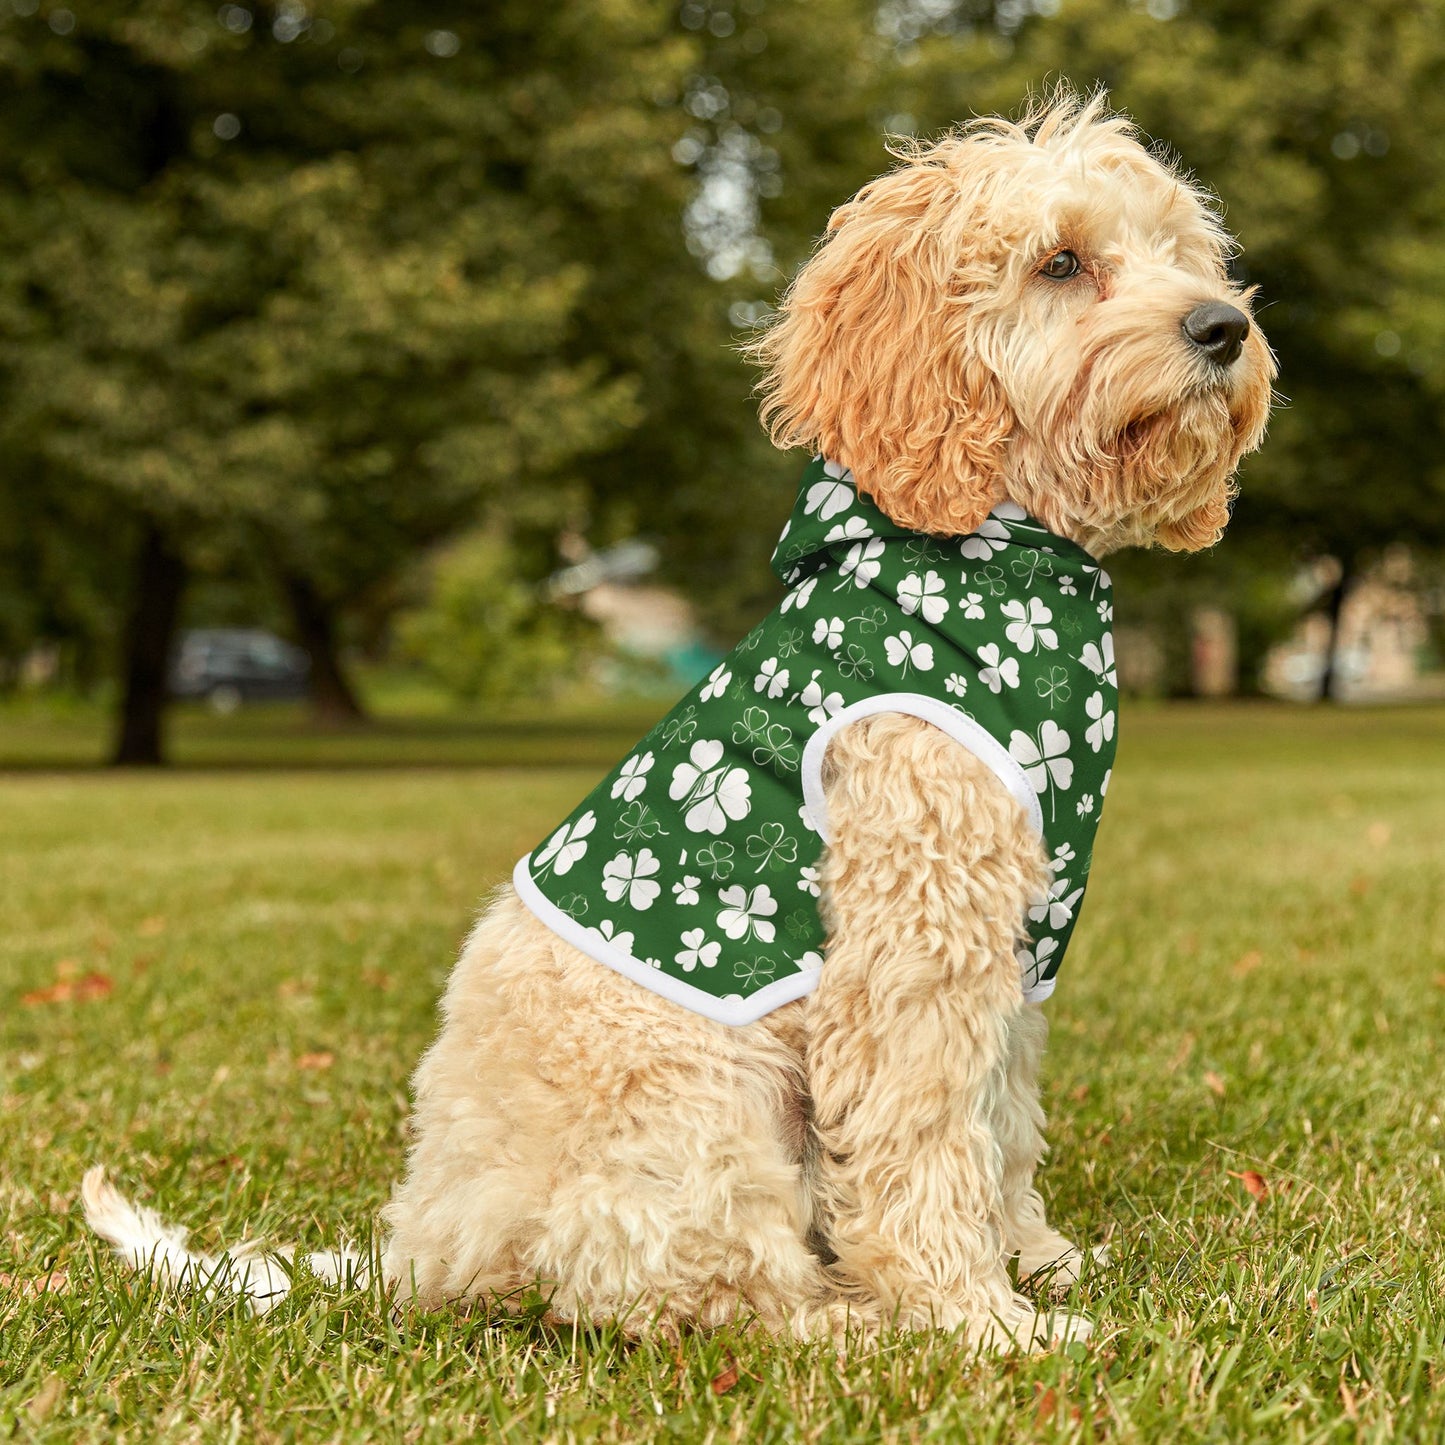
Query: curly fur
column 865, row 1156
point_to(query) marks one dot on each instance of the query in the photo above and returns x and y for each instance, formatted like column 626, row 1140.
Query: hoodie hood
column 830, row 516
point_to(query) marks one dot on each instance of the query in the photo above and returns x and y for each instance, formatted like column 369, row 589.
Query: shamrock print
column 1099, row 581
column 924, row 596
column 921, row 552
column 717, row 858
column 956, row 683
column 566, row 846
column 680, row 728
column 799, row 924
column 772, row 847
column 828, row 632
column 636, row 821
column 717, row 682
column 799, row 596
column 810, row 962
column 686, row 892
column 1044, row 758
column 851, row 529
column 633, row 879
column 821, row 706
column 1055, row 687
column 997, row 672
column 747, row 913
column 751, row 726
column 1033, row 962
column 1106, row 612
column 751, row 971
column 632, row 778
column 1058, row 905
column 808, row 882
column 870, row 619
column 854, row 663
column 1101, row 729
column 991, row 579
column 832, row 495
column 712, row 794
column 861, row 564
column 790, row 642
column 973, row 606
column 1031, row 565
column 1066, row 586
column 770, row 679
column 992, row 537
column 574, row 905
column 903, row 652
column 1099, row 659
column 696, row 951
column 776, row 749
column 607, row 931
column 1062, row 858
column 1028, row 625
column 1085, row 805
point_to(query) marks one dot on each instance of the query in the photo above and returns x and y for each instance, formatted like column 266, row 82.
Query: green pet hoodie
column 693, row 866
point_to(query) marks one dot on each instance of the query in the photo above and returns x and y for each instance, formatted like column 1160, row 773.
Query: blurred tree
column 482, row 634
column 306, row 283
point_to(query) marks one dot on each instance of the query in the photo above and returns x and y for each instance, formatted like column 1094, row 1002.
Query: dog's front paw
column 1023, row 1326
column 1057, row 1269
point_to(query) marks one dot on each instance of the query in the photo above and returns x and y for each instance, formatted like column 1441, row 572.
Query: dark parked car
column 231, row 665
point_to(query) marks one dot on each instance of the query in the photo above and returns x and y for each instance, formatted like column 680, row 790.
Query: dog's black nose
column 1218, row 330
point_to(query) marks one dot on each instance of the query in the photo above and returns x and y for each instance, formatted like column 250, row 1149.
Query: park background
column 407, row 333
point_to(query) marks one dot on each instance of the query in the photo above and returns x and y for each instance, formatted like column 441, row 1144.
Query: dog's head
column 1036, row 310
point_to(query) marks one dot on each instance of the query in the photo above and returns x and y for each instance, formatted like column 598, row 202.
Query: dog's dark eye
column 1060, row 266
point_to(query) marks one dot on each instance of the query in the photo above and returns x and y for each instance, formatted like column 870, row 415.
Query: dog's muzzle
column 1218, row 330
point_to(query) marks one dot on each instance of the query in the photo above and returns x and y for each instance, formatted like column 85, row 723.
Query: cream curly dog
column 1036, row 312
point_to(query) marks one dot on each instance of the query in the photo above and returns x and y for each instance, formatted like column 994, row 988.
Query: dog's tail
column 147, row 1243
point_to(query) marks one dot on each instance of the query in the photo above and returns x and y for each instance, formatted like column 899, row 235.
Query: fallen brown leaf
column 1214, row 1083
column 377, row 978
column 45, row 1399
column 726, row 1379
column 56, row 1282
column 151, row 927
column 1046, row 1407
column 66, row 990
column 1080, row 1094
column 1378, row 834
column 1347, row 1399
column 1181, row 1054
column 1248, row 962
column 1440, row 980
column 322, row 1059
column 1255, row 1184
column 1360, row 885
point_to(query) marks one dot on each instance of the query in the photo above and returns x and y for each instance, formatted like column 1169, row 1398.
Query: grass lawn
column 217, row 980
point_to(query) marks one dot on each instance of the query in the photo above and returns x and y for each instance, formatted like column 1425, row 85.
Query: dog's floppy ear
column 872, row 361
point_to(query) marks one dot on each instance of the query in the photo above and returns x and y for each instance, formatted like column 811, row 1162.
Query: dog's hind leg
column 576, row 1134
column 929, row 875
column 1042, row 1251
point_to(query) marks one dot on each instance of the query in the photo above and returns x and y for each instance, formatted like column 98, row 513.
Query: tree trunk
column 333, row 699
column 1334, row 610
column 160, row 578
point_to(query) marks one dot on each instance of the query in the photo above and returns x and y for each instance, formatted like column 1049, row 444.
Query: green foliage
column 1252, row 990
column 484, row 633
